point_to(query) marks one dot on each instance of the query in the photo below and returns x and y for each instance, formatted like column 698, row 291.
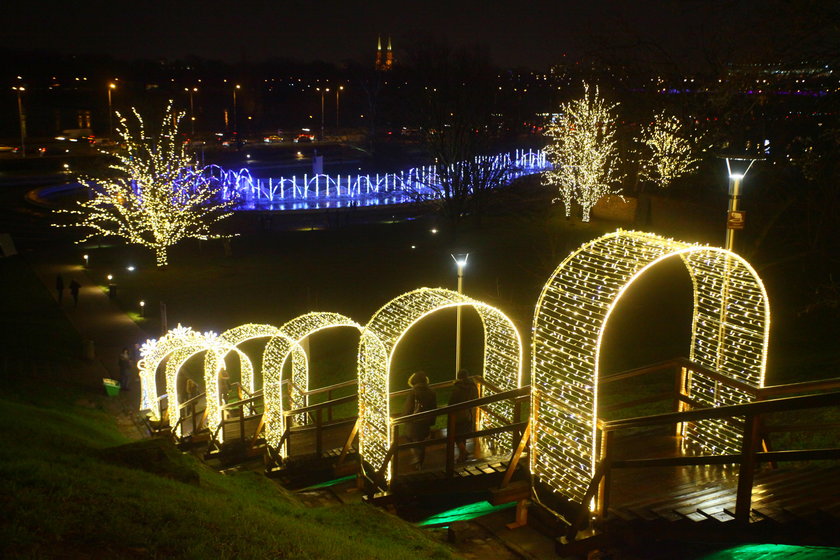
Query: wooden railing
column 515, row 426
column 749, row 417
column 187, row 411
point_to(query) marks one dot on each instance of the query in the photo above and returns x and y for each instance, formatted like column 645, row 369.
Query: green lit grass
column 67, row 489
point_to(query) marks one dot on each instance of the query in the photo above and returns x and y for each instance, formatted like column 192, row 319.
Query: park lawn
column 72, row 486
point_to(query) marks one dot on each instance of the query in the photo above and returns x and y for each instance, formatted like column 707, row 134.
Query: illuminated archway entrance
column 729, row 335
column 214, row 362
column 502, row 362
column 277, row 351
column 153, row 352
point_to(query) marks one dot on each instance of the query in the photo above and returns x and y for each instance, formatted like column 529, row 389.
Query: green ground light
column 464, row 513
column 329, row 483
column 774, row 552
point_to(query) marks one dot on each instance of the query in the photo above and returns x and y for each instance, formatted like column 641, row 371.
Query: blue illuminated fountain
column 323, row 191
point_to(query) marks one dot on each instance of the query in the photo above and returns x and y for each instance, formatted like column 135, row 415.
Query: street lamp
column 737, row 168
column 235, row 120
column 22, row 119
column 460, row 262
column 323, row 92
column 142, row 308
column 192, row 107
column 87, row 260
column 111, row 86
column 338, row 91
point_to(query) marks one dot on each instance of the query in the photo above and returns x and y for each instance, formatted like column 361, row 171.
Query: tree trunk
column 160, row 256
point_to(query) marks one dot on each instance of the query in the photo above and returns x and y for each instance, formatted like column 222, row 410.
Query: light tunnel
column 277, row 352
column 729, row 335
column 380, row 337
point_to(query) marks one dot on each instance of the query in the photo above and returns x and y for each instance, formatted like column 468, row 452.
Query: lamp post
column 338, row 91
column 111, row 86
column 22, row 119
column 460, row 262
column 191, row 91
column 323, row 92
column 737, row 168
column 235, row 120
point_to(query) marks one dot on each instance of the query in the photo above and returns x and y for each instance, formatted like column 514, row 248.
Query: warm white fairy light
column 670, row 151
column 277, row 351
column 584, row 152
column 502, row 362
column 159, row 197
column 729, row 335
column 152, row 353
column 214, row 362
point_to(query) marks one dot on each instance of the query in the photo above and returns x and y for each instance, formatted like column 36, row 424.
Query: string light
column 160, row 195
column 583, row 151
column 729, row 334
column 670, row 152
column 277, row 351
column 214, row 362
column 152, row 353
column 502, row 363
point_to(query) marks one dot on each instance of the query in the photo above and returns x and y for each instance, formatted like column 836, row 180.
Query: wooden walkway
column 699, row 493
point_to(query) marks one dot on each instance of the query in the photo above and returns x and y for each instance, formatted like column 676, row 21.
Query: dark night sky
column 527, row 33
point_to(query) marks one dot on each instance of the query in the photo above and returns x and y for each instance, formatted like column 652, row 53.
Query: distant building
column 384, row 61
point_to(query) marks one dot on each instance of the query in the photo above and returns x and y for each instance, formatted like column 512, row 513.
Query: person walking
column 125, row 369
column 420, row 399
column 59, row 287
column 463, row 390
column 74, row 291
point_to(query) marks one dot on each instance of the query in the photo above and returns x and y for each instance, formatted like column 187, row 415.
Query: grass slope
column 72, row 487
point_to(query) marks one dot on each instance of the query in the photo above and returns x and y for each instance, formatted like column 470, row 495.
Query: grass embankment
column 72, row 486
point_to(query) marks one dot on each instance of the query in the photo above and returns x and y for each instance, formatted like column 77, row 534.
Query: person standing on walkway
column 463, row 390
column 420, row 399
column 125, row 370
column 59, row 287
column 74, row 291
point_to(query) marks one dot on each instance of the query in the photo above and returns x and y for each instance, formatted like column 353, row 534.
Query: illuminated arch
column 214, row 361
column 729, row 334
column 152, row 353
column 215, row 347
column 502, row 361
column 277, row 352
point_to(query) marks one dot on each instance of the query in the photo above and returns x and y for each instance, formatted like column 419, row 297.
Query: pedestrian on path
column 463, row 390
column 59, row 287
column 74, row 291
column 420, row 399
column 125, row 370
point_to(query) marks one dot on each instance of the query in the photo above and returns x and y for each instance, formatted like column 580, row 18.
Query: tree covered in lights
column 157, row 195
column 584, row 152
column 669, row 151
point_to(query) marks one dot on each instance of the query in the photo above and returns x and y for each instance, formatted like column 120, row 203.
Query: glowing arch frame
column 153, row 352
column 729, row 334
column 277, row 351
column 229, row 341
column 502, row 361
column 215, row 348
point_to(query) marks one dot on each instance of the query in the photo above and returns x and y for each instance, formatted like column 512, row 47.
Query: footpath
column 104, row 328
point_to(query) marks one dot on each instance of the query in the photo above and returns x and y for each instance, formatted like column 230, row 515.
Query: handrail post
column 242, row 422
column 746, row 473
column 319, row 436
column 329, row 410
column 450, row 445
column 607, row 440
column 395, row 461
column 679, row 391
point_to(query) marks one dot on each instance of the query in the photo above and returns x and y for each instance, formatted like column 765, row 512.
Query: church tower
column 379, row 61
column 384, row 61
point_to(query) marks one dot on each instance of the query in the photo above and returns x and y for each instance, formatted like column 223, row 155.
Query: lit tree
column 670, row 151
column 158, row 195
column 584, row 152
